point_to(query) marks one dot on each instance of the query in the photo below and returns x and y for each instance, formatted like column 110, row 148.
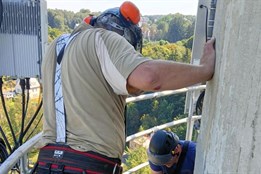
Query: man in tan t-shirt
column 98, row 66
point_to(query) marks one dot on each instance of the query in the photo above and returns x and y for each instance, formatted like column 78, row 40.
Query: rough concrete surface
column 230, row 135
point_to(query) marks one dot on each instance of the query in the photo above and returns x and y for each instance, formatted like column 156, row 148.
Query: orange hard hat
column 87, row 19
column 130, row 12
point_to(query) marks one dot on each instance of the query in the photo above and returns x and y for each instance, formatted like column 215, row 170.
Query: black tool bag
column 61, row 159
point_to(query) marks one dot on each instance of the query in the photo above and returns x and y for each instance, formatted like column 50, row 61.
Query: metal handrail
column 163, row 126
column 138, row 167
column 19, row 153
column 164, row 93
column 28, row 145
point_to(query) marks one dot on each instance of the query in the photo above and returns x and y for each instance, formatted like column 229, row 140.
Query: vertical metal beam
column 190, row 122
column 197, row 49
column 200, row 32
column 198, row 43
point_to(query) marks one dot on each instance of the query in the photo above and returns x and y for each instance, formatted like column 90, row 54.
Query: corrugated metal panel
column 19, row 56
column 20, row 18
column 26, row 57
column 21, row 38
column 6, row 55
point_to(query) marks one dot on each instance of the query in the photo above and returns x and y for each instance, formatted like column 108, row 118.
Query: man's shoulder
column 190, row 143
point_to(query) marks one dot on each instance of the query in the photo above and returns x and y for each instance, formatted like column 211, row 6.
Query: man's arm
column 159, row 75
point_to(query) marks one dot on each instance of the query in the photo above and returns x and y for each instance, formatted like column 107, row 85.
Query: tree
column 56, row 19
column 163, row 28
column 180, row 27
column 133, row 119
column 181, row 129
column 14, row 109
column 53, row 33
column 136, row 157
column 167, row 51
column 147, row 122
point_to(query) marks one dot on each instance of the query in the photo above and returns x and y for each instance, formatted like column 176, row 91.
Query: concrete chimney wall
column 230, row 135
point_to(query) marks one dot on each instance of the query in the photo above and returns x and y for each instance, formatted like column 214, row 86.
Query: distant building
column 9, row 94
column 35, row 88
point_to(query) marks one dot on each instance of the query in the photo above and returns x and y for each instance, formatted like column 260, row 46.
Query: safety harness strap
column 61, row 45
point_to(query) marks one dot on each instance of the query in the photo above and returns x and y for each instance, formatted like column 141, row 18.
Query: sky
column 147, row 7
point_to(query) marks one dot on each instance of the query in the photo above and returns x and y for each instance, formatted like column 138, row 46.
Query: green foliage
column 181, row 129
column 163, row 28
column 157, row 52
column 186, row 42
column 136, row 157
column 163, row 110
column 180, row 28
column 53, row 33
column 133, row 119
column 63, row 21
column 14, row 109
column 167, row 51
column 147, row 121
column 15, row 115
column 146, row 114
column 172, row 27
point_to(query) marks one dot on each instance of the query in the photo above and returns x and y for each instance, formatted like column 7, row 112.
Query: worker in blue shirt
column 169, row 155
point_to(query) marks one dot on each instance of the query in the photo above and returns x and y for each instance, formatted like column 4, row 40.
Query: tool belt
column 61, row 159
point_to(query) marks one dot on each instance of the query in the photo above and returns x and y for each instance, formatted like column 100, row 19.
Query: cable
column 22, row 84
column 5, row 139
column 4, row 107
column 3, row 151
column 33, row 117
column 27, row 87
column 34, row 127
column 199, row 103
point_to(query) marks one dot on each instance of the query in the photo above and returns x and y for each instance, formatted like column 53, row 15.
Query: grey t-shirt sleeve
column 117, row 59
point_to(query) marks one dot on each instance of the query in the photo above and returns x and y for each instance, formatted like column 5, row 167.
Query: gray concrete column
column 230, row 135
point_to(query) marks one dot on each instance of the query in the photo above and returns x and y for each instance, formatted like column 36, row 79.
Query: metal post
column 190, row 114
column 24, row 164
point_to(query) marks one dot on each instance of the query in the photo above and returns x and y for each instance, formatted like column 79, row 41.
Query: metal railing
column 18, row 155
column 149, row 131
